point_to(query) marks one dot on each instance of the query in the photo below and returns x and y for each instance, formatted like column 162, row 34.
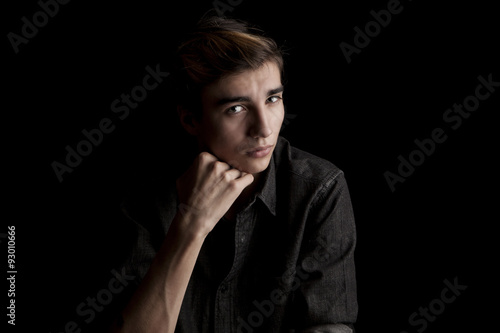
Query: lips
column 259, row 151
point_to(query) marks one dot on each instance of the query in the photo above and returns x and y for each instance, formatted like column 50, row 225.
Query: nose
column 261, row 124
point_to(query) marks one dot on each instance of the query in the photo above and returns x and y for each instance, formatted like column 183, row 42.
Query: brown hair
column 217, row 48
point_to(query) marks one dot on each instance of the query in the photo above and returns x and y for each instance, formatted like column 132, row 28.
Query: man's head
column 231, row 92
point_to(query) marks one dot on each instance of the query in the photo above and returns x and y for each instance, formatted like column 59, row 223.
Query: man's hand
column 207, row 190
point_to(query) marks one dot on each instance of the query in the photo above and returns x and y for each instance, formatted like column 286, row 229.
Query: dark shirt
column 286, row 264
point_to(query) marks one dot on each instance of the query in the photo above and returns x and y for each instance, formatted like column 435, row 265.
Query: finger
column 205, row 158
column 245, row 179
column 232, row 174
column 209, row 164
column 228, row 177
column 219, row 167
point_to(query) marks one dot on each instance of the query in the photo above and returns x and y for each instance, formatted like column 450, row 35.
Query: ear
column 188, row 120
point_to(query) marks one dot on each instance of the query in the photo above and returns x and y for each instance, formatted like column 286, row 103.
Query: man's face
column 242, row 117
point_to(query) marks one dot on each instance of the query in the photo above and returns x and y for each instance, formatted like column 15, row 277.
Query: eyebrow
column 227, row 100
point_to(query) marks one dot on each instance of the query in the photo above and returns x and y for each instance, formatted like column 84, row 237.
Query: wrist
column 190, row 225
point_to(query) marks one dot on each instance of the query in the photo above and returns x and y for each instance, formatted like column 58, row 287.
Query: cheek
column 224, row 136
column 230, row 132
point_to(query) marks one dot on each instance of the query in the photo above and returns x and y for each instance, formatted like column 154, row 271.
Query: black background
column 439, row 224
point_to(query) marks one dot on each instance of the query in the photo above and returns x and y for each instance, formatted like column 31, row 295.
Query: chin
column 254, row 167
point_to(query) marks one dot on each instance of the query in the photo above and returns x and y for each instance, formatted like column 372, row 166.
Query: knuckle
column 232, row 185
column 219, row 166
column 204, row 157
column 227, row 177
column 213, row 167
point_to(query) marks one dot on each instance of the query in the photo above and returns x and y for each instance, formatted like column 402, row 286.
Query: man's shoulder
column 300, row 164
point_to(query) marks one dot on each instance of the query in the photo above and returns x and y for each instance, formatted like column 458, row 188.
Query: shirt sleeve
column 325, row 299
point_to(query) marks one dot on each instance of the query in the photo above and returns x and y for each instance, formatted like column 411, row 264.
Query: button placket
column 223, row 305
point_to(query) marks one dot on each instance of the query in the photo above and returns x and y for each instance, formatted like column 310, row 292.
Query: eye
column 273, row 99
column 235, row 109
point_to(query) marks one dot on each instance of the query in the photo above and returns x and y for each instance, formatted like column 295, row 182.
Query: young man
column 255, row 236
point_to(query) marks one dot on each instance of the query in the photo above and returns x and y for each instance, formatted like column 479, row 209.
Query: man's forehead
column 263, row 79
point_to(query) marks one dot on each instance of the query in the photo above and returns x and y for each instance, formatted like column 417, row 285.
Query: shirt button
column 242, row 238
column 223, row 288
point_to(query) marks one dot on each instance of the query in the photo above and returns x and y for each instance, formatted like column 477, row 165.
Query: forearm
column 206, row 191
column 156, row 304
